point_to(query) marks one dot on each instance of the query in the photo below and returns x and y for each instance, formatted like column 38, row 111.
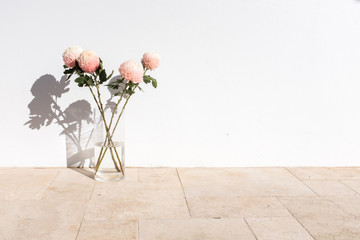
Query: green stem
column 108, row 132
column 112, row 117
column 99, row 105
column 102, row 151
column 118, row 119
column 116, row 106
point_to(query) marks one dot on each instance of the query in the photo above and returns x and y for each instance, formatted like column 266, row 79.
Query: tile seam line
column 296, row 219
column 182, row 187
column 303, row 182
column 50, row 184
column 348, row 186
column 138, row 229
column 252, row 231
column 86, row 207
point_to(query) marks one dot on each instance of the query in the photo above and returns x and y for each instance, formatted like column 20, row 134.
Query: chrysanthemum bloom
column 151, row 60
column 70, row 55
column 88, row 61
column 131, row 71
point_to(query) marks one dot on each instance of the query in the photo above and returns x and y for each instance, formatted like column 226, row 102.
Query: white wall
column 241, row 82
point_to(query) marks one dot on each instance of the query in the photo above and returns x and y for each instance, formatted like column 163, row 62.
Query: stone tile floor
column 181, row 204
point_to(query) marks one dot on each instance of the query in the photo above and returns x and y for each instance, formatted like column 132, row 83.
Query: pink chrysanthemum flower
column 151, row 60
column 131, row 71
column 70, row 55
column 88, row 61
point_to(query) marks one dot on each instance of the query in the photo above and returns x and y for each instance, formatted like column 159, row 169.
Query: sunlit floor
column 183, row 204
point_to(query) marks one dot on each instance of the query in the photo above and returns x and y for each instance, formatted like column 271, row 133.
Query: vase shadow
column 84, row 171
column 79, row 135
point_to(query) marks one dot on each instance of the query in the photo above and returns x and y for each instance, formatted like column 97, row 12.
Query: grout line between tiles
column 302, row 182
column 92, row 191
column 348, row 186
column 295, row 218
column 51, row 183
column 85, row 209
column 138, row 229
column 182, row 187
column 252, row 231
column 77, row 234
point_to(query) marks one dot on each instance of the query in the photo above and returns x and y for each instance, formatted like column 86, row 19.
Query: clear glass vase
column 109, row 146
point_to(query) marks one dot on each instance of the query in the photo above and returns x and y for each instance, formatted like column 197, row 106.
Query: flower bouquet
column 89, row 72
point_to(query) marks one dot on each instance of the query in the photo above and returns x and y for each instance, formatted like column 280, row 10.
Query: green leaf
column 81, row 81
column 140, row 88
column 65, row 66
column 90, row 82
column 129, row 91
column 154, row 83
column 101, row 64
column 69, row 71
column 102, row 75
column 69, row 76
column 100, row 67
column 112, row 72
column 147, row 79
column 115, row 84
column 143, row 65
column 78, row 68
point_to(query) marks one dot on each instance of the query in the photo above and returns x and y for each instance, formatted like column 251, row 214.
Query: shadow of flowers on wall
column 76, row 120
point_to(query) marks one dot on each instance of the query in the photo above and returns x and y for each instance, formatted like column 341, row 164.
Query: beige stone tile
column 131, row 174
column 25, row 183
column 335, row 228
column 350, row 204
column 353, row 184
column 158, row 174
column 70, row 184
column 232, row 182
column 326, row 173
column 138, row 189
column 329, row 188
column 108, row 230
column 235, row 207
column 195, row 229
column 279, row 228
column 45, row 219
column 137, row 200
column 311, row 206
column 323, row 219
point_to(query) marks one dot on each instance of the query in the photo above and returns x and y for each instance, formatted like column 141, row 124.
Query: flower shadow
column 111, row 103
column 76, row 121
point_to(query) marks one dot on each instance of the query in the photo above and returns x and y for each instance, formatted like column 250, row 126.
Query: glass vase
column 109, row 145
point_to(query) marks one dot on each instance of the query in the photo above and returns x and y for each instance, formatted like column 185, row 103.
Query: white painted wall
column 241, row 83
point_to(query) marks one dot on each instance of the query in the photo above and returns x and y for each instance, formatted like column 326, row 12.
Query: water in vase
column 109, row 168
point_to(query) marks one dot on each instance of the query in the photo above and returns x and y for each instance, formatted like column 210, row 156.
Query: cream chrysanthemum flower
column 88, row 61
column 131, row 71
column 151, row 60
column 70, row 55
